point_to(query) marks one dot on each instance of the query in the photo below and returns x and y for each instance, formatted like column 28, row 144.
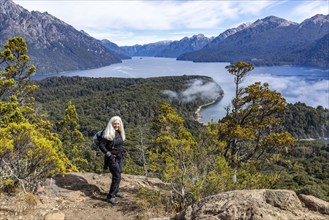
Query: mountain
column 270, row 41
column 147, row 50
column 226, row 34
column 53, row 45
column 115, row 49
column 176, row 48
column 317, row 53
column 169, row 48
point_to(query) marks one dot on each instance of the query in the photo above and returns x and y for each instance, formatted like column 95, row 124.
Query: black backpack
column 97, row 140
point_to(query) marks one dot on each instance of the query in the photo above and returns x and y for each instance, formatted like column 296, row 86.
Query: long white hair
column 109, row 132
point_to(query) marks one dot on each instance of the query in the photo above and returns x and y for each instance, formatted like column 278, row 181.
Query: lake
column 296, row 83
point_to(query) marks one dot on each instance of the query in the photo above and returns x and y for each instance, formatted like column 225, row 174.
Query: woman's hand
column 111, row 156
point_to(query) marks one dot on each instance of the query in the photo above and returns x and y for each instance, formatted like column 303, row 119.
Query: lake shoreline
column 198, row 111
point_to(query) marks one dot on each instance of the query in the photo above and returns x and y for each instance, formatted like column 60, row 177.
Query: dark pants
column 116, row 169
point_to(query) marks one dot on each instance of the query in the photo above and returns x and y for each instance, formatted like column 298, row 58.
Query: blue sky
column 128, row 22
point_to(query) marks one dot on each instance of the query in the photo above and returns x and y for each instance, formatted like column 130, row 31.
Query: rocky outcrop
column 315, row 204
column 257, row 205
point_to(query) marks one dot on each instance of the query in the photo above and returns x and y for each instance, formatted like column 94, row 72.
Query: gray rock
column 252, row 204
column 315, row 204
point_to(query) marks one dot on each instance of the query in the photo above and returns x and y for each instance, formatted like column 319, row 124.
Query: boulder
column 315, row 204
column 253, row 204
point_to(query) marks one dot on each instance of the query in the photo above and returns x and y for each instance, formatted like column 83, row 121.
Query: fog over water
column 296, row 83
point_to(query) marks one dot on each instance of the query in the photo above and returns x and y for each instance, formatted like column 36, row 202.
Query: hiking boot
column 112, row 201
column 120, row 195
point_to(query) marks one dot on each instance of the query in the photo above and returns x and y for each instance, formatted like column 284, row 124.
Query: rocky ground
column 82, row 196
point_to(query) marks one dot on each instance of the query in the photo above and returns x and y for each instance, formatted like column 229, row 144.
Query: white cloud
column 252, row 7
column 140, row 15
column 296, row 90
column 318, row 96
column 140, row 20
column 307, row 9
column 196, row 89
column 131, row 16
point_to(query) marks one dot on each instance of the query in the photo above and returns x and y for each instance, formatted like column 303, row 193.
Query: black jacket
column 115, row 147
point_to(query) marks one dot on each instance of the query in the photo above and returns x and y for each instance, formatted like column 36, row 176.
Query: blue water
column 295, row 83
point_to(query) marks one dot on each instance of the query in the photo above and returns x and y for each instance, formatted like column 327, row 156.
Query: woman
column 112, row 146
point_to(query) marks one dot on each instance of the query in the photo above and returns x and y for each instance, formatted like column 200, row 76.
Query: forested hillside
column 306, row 169
column 304, row 121
column 135, row 100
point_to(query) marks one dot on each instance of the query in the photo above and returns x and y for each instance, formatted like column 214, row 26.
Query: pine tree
column 72, row 138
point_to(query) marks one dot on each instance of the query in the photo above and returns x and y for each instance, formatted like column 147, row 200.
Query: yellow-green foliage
column 219, row 178
column 250, row 177
column 175, row 153
column 29, row 156
column 253, row 131
column 29, row 150
column 236, row 153
column 10, row 112
column 197, row 168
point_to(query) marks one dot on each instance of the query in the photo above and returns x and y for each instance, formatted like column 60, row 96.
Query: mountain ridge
column 186, row 44
column 151, row 49
column 54, row 46
column 168, row 48
column 269, row 41
column 115, row 49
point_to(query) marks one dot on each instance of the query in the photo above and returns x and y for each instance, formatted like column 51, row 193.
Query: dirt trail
column 80, row 196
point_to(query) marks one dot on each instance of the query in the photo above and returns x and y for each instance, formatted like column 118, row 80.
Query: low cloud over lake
column 196, row 89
